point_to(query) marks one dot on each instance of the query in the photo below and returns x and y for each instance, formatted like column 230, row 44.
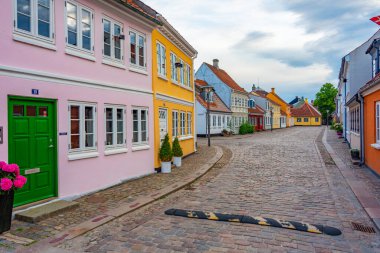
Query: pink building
column 76, row 105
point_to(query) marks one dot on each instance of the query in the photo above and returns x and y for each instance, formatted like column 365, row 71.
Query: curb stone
column 84, row 227
column 357, row 187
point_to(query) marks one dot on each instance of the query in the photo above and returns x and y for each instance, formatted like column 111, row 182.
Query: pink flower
column 6, row 184
column 2, row 164
column 9, row 168
column 19, row 181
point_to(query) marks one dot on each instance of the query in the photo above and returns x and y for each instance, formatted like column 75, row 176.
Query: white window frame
column 174, row 123
column 377, row 120
column 173, row 70
column 188, row 74
column 32, row 36
column 182, row 73
column 114, row 126
column 79, row 47
column 139, row 126
column 161, row 59
column 182, row 123
column 112, row 45
column 137, row 51
column 189, row 123
column 82, row 121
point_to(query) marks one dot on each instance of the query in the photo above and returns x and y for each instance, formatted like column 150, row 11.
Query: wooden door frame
column 55, row 129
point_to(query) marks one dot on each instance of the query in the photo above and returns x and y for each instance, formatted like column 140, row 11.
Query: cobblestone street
column 285, row 174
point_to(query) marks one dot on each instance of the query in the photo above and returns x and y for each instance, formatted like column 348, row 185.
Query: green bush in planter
column 177, row 150
column 245, row 128
column 166, row 153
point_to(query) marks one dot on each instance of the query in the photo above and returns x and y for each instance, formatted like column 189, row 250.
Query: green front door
column 32, row 145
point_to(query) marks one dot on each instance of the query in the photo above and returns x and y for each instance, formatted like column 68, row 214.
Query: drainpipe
column 361, row 100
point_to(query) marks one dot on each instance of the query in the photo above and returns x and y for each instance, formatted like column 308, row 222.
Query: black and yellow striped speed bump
column 305, row 227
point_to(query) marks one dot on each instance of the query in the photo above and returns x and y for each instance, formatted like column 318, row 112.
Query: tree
column 325, row 99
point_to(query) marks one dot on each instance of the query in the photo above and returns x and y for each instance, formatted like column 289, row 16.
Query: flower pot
column 6, row 206
column 166, row 167
column 177, row 161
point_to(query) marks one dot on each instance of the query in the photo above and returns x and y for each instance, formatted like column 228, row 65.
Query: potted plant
column 10, row 180
column 225, row 132
column 166, row 155
column 355, row 154
column 177, row 153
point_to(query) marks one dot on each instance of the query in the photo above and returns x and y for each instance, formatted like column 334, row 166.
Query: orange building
column 371, row 129
column 285, row 107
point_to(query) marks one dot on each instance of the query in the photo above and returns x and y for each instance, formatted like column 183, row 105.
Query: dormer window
column 373, row 50
column 251, row 103
column 208, row 97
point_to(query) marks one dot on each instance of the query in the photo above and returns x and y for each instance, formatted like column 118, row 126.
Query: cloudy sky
column 292, row 45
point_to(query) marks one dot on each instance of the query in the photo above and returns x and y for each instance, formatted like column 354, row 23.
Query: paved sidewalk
column 116, row 200
column 363, row 182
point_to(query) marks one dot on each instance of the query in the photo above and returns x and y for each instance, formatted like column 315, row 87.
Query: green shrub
column 166, row 153
column 245, row 128
column 339, row 128
column 177, row 150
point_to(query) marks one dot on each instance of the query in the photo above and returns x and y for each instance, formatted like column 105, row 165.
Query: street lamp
column 271, row 118
column 208, row 89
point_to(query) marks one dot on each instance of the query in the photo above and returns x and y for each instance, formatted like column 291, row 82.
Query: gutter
column 361, row 100
column 139, row 12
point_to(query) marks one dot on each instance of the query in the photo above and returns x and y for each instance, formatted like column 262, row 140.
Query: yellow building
column 275, row 113
column 285, row 107
column 306, row 115
column 173, row 88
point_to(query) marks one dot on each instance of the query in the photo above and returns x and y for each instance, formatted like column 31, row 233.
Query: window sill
column 80, row 54
column 174, row 82
column 140, row 147
column 183, row 138
column 376, row 146
column 114, row 63
column 115, row 151
column 18, row 36
column 162, row 77
column 79, row 156
column 137, row 70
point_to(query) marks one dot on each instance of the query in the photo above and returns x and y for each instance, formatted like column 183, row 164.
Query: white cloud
column 290, row 57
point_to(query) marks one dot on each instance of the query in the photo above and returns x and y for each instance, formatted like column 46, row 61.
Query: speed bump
column 294, row 225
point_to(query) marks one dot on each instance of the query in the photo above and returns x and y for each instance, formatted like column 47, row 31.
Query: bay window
column 79, row 27
column 140, row 126
column 115, row 126
column 82, row 131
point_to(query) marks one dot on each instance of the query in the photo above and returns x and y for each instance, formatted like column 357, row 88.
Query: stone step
column 42, row 212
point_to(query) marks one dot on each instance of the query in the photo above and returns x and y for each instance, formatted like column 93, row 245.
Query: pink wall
column 22, row 55
column 80, row 176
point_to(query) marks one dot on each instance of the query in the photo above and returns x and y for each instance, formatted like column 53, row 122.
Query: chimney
column 253, row 87
column 215, row 63
column 273, row 90
column 312, row 102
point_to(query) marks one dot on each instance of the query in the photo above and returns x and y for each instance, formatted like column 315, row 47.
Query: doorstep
column 42, row 212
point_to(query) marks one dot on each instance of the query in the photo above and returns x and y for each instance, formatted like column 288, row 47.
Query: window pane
column 109, row 138
column 117, row 53
column 72, row 38
column 135, row 137
column 23, row 22
column 89, row 112
column 119, row 126
column 31, row 110
column 109, row 126
column 71, row 11
column 143, row 125
column 43, row 111
column 23, row 6
column 143, row 136
column 143, row 115
column 86, row 42
column 119, row 114
column 133, row 47
column 74, row 112
column 43, row 13
column 43, row 29
column 89, row 142
column 135, row 114
column 74, row 141
column 107, row 50
column 135, row 125
column 120, row 138
column 109, row 113
column 74, row 126
column 18, row 110
column 89, row 126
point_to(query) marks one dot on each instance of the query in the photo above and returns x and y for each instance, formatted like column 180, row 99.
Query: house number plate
column 32, row 171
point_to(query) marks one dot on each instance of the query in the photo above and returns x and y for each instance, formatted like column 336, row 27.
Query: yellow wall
column 311, row 121
column 276, row 115
column 285, row 107
column 164, row 86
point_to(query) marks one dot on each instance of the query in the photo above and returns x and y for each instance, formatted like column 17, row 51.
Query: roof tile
column 225, row 78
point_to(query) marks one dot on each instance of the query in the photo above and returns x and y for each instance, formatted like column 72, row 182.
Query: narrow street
column 280, row 174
